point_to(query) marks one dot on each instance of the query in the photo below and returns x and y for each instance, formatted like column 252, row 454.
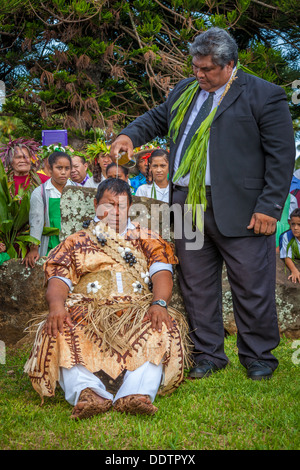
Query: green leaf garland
column 195, row 158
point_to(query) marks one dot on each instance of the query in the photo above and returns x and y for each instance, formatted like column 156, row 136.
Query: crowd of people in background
column 46, row 178
column 45, row 174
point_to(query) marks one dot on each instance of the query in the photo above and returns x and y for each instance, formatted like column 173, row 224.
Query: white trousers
column 145, row 380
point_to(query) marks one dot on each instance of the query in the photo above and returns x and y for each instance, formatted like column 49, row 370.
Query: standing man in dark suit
column 242, row 175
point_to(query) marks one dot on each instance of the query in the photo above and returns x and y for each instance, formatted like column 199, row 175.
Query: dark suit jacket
column 252, row 149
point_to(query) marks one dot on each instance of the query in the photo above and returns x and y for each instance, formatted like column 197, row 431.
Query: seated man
column 108, row 287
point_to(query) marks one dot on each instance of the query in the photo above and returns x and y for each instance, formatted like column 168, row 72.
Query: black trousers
column 251, row 271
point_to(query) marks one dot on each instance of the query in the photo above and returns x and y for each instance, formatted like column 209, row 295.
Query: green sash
column 55, row 221
column 194, row 160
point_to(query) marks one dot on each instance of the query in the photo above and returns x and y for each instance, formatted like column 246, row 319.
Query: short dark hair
column 295, row 213
column 217, row 43
column 123, row 168
column 82, row 158
column 115, row 186
column 56, row 155
column 159, row 153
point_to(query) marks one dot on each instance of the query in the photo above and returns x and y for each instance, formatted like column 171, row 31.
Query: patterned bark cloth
column 109, row 334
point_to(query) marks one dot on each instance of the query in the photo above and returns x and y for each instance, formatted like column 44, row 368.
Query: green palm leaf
column 22, row 215
column 27, row 238
column 3, row 205
column 50, row 231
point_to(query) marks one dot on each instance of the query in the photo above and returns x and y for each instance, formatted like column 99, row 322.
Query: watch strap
column 160, row 302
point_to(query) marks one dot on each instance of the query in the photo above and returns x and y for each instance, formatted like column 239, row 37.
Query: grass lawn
column 225, row 411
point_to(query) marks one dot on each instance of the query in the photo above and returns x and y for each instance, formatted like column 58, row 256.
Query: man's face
column 79, row 170
column 21, row 162
column 210, row 77
column 113, row 210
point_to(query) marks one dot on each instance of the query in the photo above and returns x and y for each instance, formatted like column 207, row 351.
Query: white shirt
column 154, row 268
column 285, row 242
column 146, row 190
column 91, row 183
column 53, row 191
column 203, row 95
column 297, row 174
column 39, row 211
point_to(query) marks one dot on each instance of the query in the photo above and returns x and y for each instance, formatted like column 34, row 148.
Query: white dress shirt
column 146, row 190
column 91, row 183
column 203, row 95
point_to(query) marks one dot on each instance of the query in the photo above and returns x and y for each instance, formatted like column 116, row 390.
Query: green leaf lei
column 294, row 248
column 195, row 158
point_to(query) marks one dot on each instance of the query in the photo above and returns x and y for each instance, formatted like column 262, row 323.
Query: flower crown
column 149, row 146
column 45, row 150
column 93, row 150
column 7, row 151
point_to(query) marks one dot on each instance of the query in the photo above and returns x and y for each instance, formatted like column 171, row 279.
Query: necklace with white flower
column 121, row 250
column 93, row 287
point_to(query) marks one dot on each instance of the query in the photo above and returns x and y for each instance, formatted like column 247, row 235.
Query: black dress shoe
column 203, row 369
column 259, row 370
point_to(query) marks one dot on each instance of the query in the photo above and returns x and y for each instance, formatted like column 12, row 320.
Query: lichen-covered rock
column 22, row 297
column 77, row 204
column 287, row 303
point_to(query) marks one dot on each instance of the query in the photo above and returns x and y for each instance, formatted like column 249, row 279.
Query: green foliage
column 81, row 65
column 226, row 411
column 14, row 216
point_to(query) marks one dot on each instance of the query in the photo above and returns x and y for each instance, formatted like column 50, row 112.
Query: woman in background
column 20, row 159
column 99, row 155
column 158, row 167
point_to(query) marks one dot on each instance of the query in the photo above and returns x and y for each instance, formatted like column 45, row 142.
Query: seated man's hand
column 159, row 315
column 58, row 315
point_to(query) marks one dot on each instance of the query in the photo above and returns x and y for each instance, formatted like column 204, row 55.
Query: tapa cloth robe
column 81, row 255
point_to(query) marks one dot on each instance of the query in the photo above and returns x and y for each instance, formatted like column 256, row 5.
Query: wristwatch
column 160, row 302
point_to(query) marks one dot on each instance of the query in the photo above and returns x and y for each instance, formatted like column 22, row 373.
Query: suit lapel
column 233, row 93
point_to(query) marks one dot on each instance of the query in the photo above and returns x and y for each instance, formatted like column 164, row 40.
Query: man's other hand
column 262, row 224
